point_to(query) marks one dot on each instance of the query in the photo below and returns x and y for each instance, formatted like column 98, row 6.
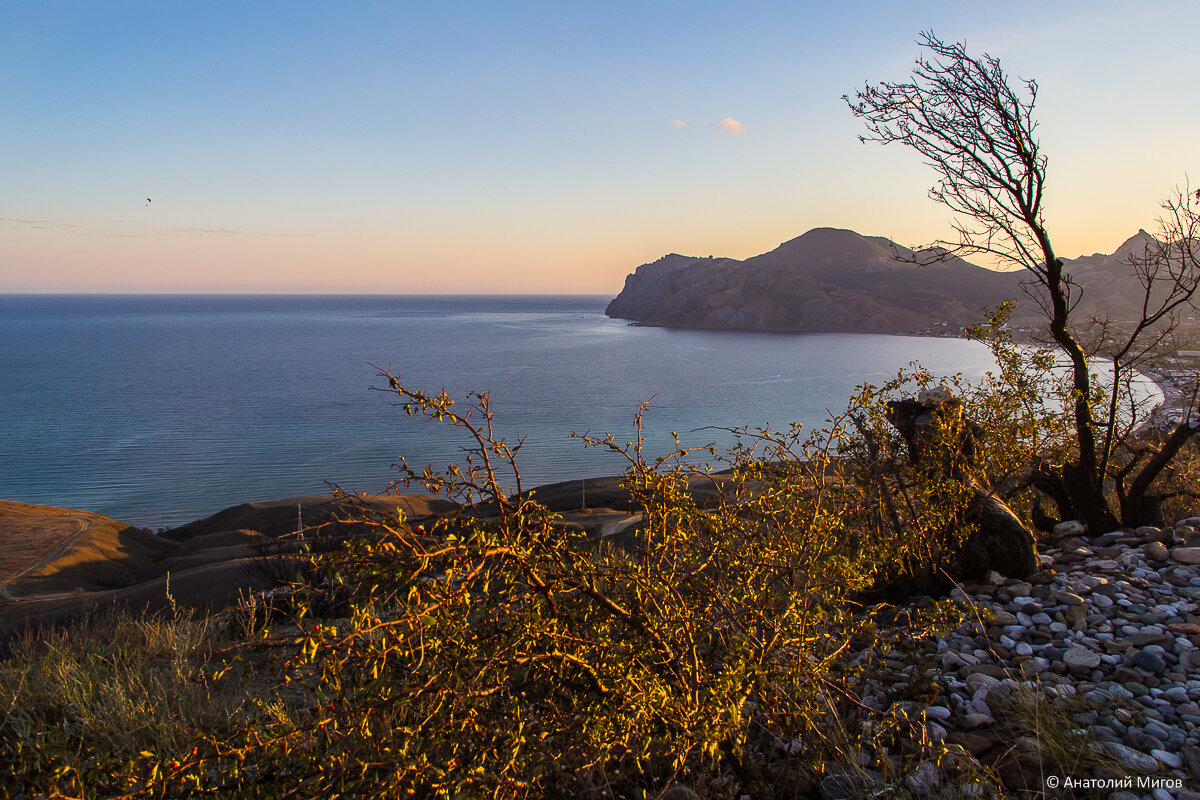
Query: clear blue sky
column 529, row 146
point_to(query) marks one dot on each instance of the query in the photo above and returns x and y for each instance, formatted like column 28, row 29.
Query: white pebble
column 1170, row 759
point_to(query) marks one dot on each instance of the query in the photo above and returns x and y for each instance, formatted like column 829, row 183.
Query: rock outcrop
column 831, row 280
column 825, row 280
column 942, row 440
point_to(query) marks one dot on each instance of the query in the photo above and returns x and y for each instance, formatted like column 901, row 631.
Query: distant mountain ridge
column 835, row 280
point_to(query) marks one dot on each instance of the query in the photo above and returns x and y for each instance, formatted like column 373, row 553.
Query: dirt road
column 5, row 590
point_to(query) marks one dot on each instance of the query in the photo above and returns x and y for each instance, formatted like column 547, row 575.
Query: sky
column 531, row 147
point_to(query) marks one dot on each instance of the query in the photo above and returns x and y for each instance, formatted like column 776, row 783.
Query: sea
column 158, row 410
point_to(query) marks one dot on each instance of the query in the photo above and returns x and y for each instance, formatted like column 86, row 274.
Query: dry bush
column 497, row 652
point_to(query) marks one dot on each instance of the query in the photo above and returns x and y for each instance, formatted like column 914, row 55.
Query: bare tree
column 979, row 134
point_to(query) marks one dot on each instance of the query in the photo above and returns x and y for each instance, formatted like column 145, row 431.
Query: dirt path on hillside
column 6, row 592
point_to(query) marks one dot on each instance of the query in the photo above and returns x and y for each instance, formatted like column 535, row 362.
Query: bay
column 160, row 409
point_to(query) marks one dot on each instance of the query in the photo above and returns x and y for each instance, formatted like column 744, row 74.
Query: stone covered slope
column 826, row 280
column 1108, row 632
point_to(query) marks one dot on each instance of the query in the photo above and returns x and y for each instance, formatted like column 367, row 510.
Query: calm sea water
column 162, row 409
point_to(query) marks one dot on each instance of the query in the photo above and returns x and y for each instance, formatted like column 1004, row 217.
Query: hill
column 831, row 279
column 56, row 562
column 1111, row 288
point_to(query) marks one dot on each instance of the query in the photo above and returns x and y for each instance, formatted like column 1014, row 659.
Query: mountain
column 1110, row 284
column 826, row 280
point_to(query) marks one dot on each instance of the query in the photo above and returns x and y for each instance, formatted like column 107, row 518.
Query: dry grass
column 27, row 532
column 119, row 684
column 1056, row 743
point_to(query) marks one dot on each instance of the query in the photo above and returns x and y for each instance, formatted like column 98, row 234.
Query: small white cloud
column 678, row 124
column 731, row 126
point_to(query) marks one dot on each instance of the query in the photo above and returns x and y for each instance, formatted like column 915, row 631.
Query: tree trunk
column 1081, row 479
column 1000, row 541
column 1087, row 499
column 1140, row 508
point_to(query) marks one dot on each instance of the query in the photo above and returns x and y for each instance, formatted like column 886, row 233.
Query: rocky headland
column 834, row 280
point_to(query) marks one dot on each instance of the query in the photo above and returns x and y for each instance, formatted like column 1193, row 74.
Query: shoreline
column 1165, row 378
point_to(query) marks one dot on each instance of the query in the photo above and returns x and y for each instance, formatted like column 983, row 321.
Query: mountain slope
column 826, row 280
column 1110, row 284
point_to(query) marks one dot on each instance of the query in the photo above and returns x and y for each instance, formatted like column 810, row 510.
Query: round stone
column 1186, row 555
column 1156, row 551
column 924, row 780
column 1157, row 729
column 1151, row 662
column 1079, row 657
column 1131, row 758
column 1069, row 528
column 1176, row 694
column 935, row 396
column 1170, row 759
column 847, row 785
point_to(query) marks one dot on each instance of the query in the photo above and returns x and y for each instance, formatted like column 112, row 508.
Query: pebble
column 1151, row 662
column 1079, row 657
column 1069, row 528
column 1186, row 555
column 1156, row 551
column 1113, row 620
column 850, row 785
column 1134, row 759
column 924, row 780
column 974, row 720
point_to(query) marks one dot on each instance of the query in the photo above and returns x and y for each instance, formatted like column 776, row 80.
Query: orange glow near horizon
column 547, row 156
column 566, row 263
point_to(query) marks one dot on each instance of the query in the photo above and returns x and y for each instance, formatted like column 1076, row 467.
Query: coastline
column 1168, row 379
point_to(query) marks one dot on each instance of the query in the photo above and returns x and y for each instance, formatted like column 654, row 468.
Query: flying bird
column 147, row 201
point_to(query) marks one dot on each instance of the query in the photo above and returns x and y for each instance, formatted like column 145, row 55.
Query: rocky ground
column 1101, row 649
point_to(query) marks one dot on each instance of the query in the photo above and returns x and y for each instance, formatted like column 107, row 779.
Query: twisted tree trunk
column 1138, row 506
